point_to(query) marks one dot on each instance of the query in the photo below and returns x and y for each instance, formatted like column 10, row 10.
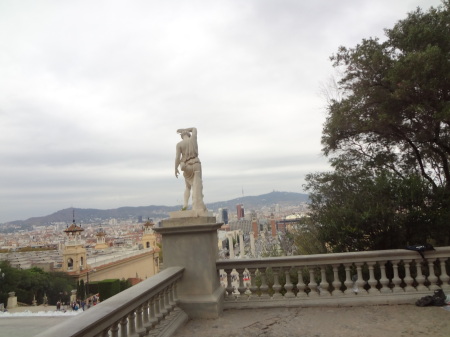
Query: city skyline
column 92, row 96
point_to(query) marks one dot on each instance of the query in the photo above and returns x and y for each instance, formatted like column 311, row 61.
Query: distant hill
column 158, row 212
column 260, row 201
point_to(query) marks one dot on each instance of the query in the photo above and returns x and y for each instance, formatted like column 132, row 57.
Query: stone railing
column 357, row 278
column 148, row 308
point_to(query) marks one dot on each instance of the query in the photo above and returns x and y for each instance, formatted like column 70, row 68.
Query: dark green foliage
column 388, row 139
column 108, row 288
column 307, row 237
column 359, row 211
column 124, row 284
column 34, row 282
column 93, row 287
column 81, row 289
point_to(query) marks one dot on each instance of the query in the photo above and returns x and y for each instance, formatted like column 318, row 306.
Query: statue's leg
column 187, row 193
column 197, row 193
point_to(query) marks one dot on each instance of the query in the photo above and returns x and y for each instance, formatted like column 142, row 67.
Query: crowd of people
column 79, row 304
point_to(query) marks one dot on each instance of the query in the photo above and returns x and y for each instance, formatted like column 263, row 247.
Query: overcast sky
column 92, row 93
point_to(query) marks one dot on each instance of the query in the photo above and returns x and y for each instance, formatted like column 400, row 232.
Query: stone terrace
column 367, row 321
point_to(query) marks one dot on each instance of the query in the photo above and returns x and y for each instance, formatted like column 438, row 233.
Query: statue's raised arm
column 187, row 159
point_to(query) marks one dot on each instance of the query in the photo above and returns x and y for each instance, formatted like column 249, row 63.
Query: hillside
column 154, row 212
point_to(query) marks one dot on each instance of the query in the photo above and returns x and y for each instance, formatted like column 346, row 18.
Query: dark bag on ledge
column 438, row 299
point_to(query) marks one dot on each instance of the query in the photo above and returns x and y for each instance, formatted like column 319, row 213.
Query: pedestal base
column 204, row 306
column 12, row 302
column 192, row 243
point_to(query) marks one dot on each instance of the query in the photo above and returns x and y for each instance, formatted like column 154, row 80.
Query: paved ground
column 27, row 326
column 30, row 325
column 370, row 321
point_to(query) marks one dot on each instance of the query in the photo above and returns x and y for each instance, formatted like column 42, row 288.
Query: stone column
column 273, row 225
column 190, row 240
column 230, row 245
column 252, row 244
column 255, row 229
column 241, row 244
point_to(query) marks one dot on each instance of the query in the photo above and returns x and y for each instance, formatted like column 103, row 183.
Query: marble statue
column 189, row 163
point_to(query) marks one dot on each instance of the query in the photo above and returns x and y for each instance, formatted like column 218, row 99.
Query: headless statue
column 189, row 163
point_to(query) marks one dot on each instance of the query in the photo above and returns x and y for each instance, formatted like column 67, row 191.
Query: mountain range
column 154, row 212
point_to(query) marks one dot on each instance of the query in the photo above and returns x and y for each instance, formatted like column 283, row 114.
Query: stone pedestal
column 12, row 300
column 191, row 242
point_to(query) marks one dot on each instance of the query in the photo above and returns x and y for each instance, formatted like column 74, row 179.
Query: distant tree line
column 35, row 283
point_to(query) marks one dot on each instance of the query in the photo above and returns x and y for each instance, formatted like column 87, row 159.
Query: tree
column 388, row 139
column 359, row 211
column 395, row 110
column 307, row 238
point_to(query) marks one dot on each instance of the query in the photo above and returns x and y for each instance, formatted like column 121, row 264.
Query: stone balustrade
column 356, row 278
column 190, row 284
column 148, row 308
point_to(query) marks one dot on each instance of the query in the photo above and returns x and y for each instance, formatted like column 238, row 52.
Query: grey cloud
column 91, row 96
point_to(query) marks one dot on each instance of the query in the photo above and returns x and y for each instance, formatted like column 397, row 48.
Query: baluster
column 336, row 281
column 408, row 279
column 241, row 288
column 158, row 314
column 300, row 283
column 229, row 287
column 132, row 322
column 145, row 317
column 264, row 287
column 444, row 276
column 253, row 286
column 115, row 329
column 372, row 282
column 384, row 281
column 348, row 280
column 123, row 327
column 359, row 282
column 276, row 283
column 288, row 286
column 396, row 280
column 420, row 278
column 139, row 325
column 153, row 319
column 168, row 307
column 323, row 282
column 175, row 293
column 162, row 304
column 172, row 302
column 312, row 285
column 432, row 278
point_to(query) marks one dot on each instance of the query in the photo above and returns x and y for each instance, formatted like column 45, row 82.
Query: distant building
column 74, row 253
column 101, row 240
column 223, row 215
column 149, row 236
column 240, row 211
column 243, row 224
